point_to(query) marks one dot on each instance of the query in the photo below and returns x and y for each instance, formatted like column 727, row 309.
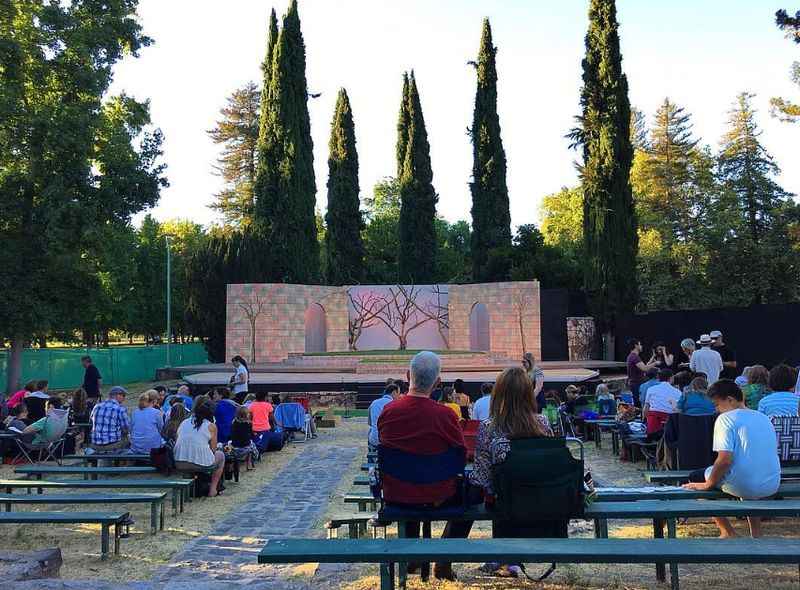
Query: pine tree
column 238, row 132
column 403, row 122
column 344, row 248
column 285, row 184
column 491, row 217
column 418, row 243
column 609, row 219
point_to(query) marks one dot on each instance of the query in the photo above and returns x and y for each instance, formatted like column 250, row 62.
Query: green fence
column 124, row 364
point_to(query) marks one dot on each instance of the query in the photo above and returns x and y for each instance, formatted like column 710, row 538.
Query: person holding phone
column 662, row 357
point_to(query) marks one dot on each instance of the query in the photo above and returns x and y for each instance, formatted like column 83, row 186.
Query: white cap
column 704, row 339
column 716, row 334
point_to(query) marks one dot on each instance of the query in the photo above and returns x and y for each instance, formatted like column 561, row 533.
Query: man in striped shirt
column 783, row 401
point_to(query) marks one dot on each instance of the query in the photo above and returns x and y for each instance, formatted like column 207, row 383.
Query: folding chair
column 292, row 418
column 52, row 444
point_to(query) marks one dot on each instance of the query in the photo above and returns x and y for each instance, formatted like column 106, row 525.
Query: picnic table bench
column 388, row 552
column 38, row 471
column 680, row 476
column 115, row 457
column 156, row 501
column 786, row 490
column 180, row 488
column 104, row 519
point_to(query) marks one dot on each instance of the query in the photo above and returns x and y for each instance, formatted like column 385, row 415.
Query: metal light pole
column 169, row 301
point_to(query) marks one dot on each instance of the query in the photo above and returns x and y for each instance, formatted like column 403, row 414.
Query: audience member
column 42, row 429
column 727, row 354
column 662, row 400
column 224, row 413
column 606, row 405
column 415, row 424
column 263, row 413
column 652, row 379
column 663, row 357
column 37, row 401
column 162, row 395
column 682, row 379
column 240, row 380
column 783, row 401
column 110, row 423
column 687, row 348
column 391, row 393
column 480, row 410
column 242, row 437
column 575, row 398
column 178, row 413
column 706, row 360
column 757, row 385
column 146, row 424
column 695, row 401
column 536, row 375
column 196, row 446
column 447, row 400
column 461, row 398
column 17, row 419
column 747, row 465
column 78, row 407
column 637, row 369
column 513, row 415
column 19, row 396
column 92, row 380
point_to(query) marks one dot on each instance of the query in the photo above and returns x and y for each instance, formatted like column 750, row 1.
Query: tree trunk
column 522, row 333
column 14, row 368
column 42, row 341
column 403, row 342
column 253, row 341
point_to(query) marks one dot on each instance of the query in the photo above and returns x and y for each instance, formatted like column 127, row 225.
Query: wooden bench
column 38, row 471
column 673, row 477
column 156, row 501
column 388, row 552
column 364, row 499
column 104, row 519
column 361, row 480
column 786, row 490
column 180, row 488
column 356, row 524
column 115, row 457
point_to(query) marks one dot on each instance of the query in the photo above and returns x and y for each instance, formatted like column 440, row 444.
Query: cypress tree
column 285, row 185
column 491, row 217
column 345, row 250
column 272, row 40
column 418, row 244
column 609, row 220
column 402, row 128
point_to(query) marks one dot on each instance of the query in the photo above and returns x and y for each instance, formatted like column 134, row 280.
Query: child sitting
column 242, row 437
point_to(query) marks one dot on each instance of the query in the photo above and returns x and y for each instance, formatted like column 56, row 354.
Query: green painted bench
column 115, row 457
column 156, row 501
column 364, row 500
column 181, row 488
column 786, row 490
column 38, row 471
column 672, row 477
column 105, row 519
column 390, row 552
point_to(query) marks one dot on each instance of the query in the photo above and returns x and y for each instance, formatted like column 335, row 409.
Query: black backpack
column 539, row 480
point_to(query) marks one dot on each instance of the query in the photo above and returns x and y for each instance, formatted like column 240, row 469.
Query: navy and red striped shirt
column 420, row 426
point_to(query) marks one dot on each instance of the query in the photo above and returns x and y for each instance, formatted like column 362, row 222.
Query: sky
column 700, row 54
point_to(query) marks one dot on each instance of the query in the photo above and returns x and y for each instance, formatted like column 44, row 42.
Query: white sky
column 699, row 53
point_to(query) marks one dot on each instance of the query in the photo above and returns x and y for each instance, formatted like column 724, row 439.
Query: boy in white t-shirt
column 747, row 464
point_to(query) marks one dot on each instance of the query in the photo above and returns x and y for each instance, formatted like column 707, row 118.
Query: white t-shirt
column 706, row 361
column 756, row 471
column 660, row 397
column 241, row 387
column 480, row 410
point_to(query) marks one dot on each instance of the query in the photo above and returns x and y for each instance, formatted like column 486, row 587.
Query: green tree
column 610, row 238
column 562, row 218
column 344, row 248
column 554, row 266
column 784, row 109
column 789, row 24
column 285, row 186
column 237, row 132
column 453, row 264
column 70, row 164
column 418, row 244
column 753, row 205
column 381, row 237
column 491, row 216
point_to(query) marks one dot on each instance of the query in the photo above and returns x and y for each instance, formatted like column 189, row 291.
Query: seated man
column 480, row 411
column 110, row 423
column 416, row 424
column 783, row 401
column 391, row 393
column 662, row 400
column 747, row 464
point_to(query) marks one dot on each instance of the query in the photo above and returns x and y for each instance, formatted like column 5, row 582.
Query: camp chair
column 470, row 430
column 787, row 432
column 565, row 420
column 293, row 418
column 52, row 447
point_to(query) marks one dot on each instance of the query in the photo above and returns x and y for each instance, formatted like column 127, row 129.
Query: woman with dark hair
column 178, row 413
column 513, row 414
column 663, row 357
column 196, row 446
column 461, row 398
column 240, row 379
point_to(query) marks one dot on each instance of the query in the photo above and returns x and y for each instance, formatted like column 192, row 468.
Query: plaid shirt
column 109, row 422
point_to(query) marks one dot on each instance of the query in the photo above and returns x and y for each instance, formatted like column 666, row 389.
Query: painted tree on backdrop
column 610, row 238
column 344, row 248
column 237, row 132
column 491, row 217
column 70, row 163
column 418, row 244
column 285, row 189
column 754, row 217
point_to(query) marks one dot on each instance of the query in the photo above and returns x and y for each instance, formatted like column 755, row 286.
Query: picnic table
column 594, row 430
column 156, row 501
column 38, row 471
column 105, row 519
column 786, row 490
column 115, row 457
column 683, row 475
